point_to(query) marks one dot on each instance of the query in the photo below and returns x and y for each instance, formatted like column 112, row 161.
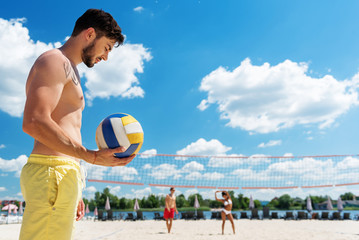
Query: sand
column 207, row 230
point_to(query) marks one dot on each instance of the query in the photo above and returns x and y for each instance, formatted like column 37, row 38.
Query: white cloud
column 140, row 193
column 268, row 98
column 192, row 166
column 2, row 146
column 138, row 9
column 147, row 166
column 90, row 189
column 115, row 190
column 17, row 53
column 203, row 147
column 271, row 143
column 164, row 171
column 126, row 173
column 18, row 49
column 120, row 71
column 148, row 153
column 2, row 189
column 13, row 165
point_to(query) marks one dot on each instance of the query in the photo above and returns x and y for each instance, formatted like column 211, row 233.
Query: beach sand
column 207, row 230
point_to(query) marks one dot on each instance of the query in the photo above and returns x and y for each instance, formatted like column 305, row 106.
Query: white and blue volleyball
column 120, row 130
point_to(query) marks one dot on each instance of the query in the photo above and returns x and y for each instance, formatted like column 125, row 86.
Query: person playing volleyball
column 51, row 180
column 170, row 208
column 226, row 211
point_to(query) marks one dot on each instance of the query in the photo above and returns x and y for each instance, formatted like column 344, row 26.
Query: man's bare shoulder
column 51, row 57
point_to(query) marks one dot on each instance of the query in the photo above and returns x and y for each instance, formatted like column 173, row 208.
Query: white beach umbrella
column 21, row 211
column 340, row 205
column 251, row 203
column 95, row 212
column 329, row 204
column 309, row 204
column 136, row 206
column 87, row 211
column 196, row 203
column 107, row 206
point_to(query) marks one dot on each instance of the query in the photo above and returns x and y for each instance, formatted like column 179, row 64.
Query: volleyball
column 120, row 130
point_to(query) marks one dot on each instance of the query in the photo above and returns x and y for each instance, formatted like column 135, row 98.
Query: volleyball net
column 232, row 172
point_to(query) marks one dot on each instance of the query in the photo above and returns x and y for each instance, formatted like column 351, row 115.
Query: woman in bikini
column 226, row 211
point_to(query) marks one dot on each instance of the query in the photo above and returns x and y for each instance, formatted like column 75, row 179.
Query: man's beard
column 87, row 57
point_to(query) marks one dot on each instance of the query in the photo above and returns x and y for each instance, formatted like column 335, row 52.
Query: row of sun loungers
column 191, row 215
column 110, row 217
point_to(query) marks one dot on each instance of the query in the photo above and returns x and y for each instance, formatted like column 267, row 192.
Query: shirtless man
column 51, row 179
column 170, row 208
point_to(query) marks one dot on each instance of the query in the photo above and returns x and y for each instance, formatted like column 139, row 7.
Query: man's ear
column 90, row 34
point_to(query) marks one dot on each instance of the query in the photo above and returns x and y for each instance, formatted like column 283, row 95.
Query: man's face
column 96, row 51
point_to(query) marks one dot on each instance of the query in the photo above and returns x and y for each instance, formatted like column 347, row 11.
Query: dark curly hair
column 102, row 22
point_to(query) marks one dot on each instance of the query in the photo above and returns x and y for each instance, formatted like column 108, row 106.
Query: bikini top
column 227, row 202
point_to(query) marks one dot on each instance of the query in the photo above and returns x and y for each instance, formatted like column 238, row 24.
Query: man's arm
column 176, row 207
column 43, row 95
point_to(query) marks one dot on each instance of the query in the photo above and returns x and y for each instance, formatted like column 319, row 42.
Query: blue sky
column 202, row 77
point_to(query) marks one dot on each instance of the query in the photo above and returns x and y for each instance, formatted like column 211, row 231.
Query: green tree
column 180, row 201
column 347, row 196
column 285, row 201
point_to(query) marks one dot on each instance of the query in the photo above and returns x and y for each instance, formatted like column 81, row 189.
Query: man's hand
column 80, row 210
column 176, row 211
column 105, row 157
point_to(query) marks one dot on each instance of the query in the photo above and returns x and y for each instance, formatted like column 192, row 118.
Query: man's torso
column 68, row 112
column 171, row 200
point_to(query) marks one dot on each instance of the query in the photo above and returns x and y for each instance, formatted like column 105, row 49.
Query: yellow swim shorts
column 52, row 189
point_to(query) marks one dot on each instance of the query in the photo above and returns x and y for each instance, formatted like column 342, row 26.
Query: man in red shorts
column 170, row 208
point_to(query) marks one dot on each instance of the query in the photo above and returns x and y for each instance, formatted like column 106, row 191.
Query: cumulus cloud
column 120, row 71
column 115, row 190
column 138, row 9
column 13, row 165
column 2, row 189
column 126, row 173
column 18, row 52
column 203, row 147
column 148, row 153
column 2, row 146
column 271, row 143
column 266, row 98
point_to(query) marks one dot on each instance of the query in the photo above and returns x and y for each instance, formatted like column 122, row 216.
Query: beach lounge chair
column 244, row 215
column 302, row 215
column 346, row 216
column 265, row 213
column 110, row 215
column 158, row 216
column 120, row 216
column 183, row 215
column 140, row 216
column 254, row 214
column 235, row 216
column 130, row 217
column 191, row 216
column 200, row 215
column 336, row 216
column 214, row 215
column 100, row 216
column 274, row 215
column 325, row 216
column 289, row 215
